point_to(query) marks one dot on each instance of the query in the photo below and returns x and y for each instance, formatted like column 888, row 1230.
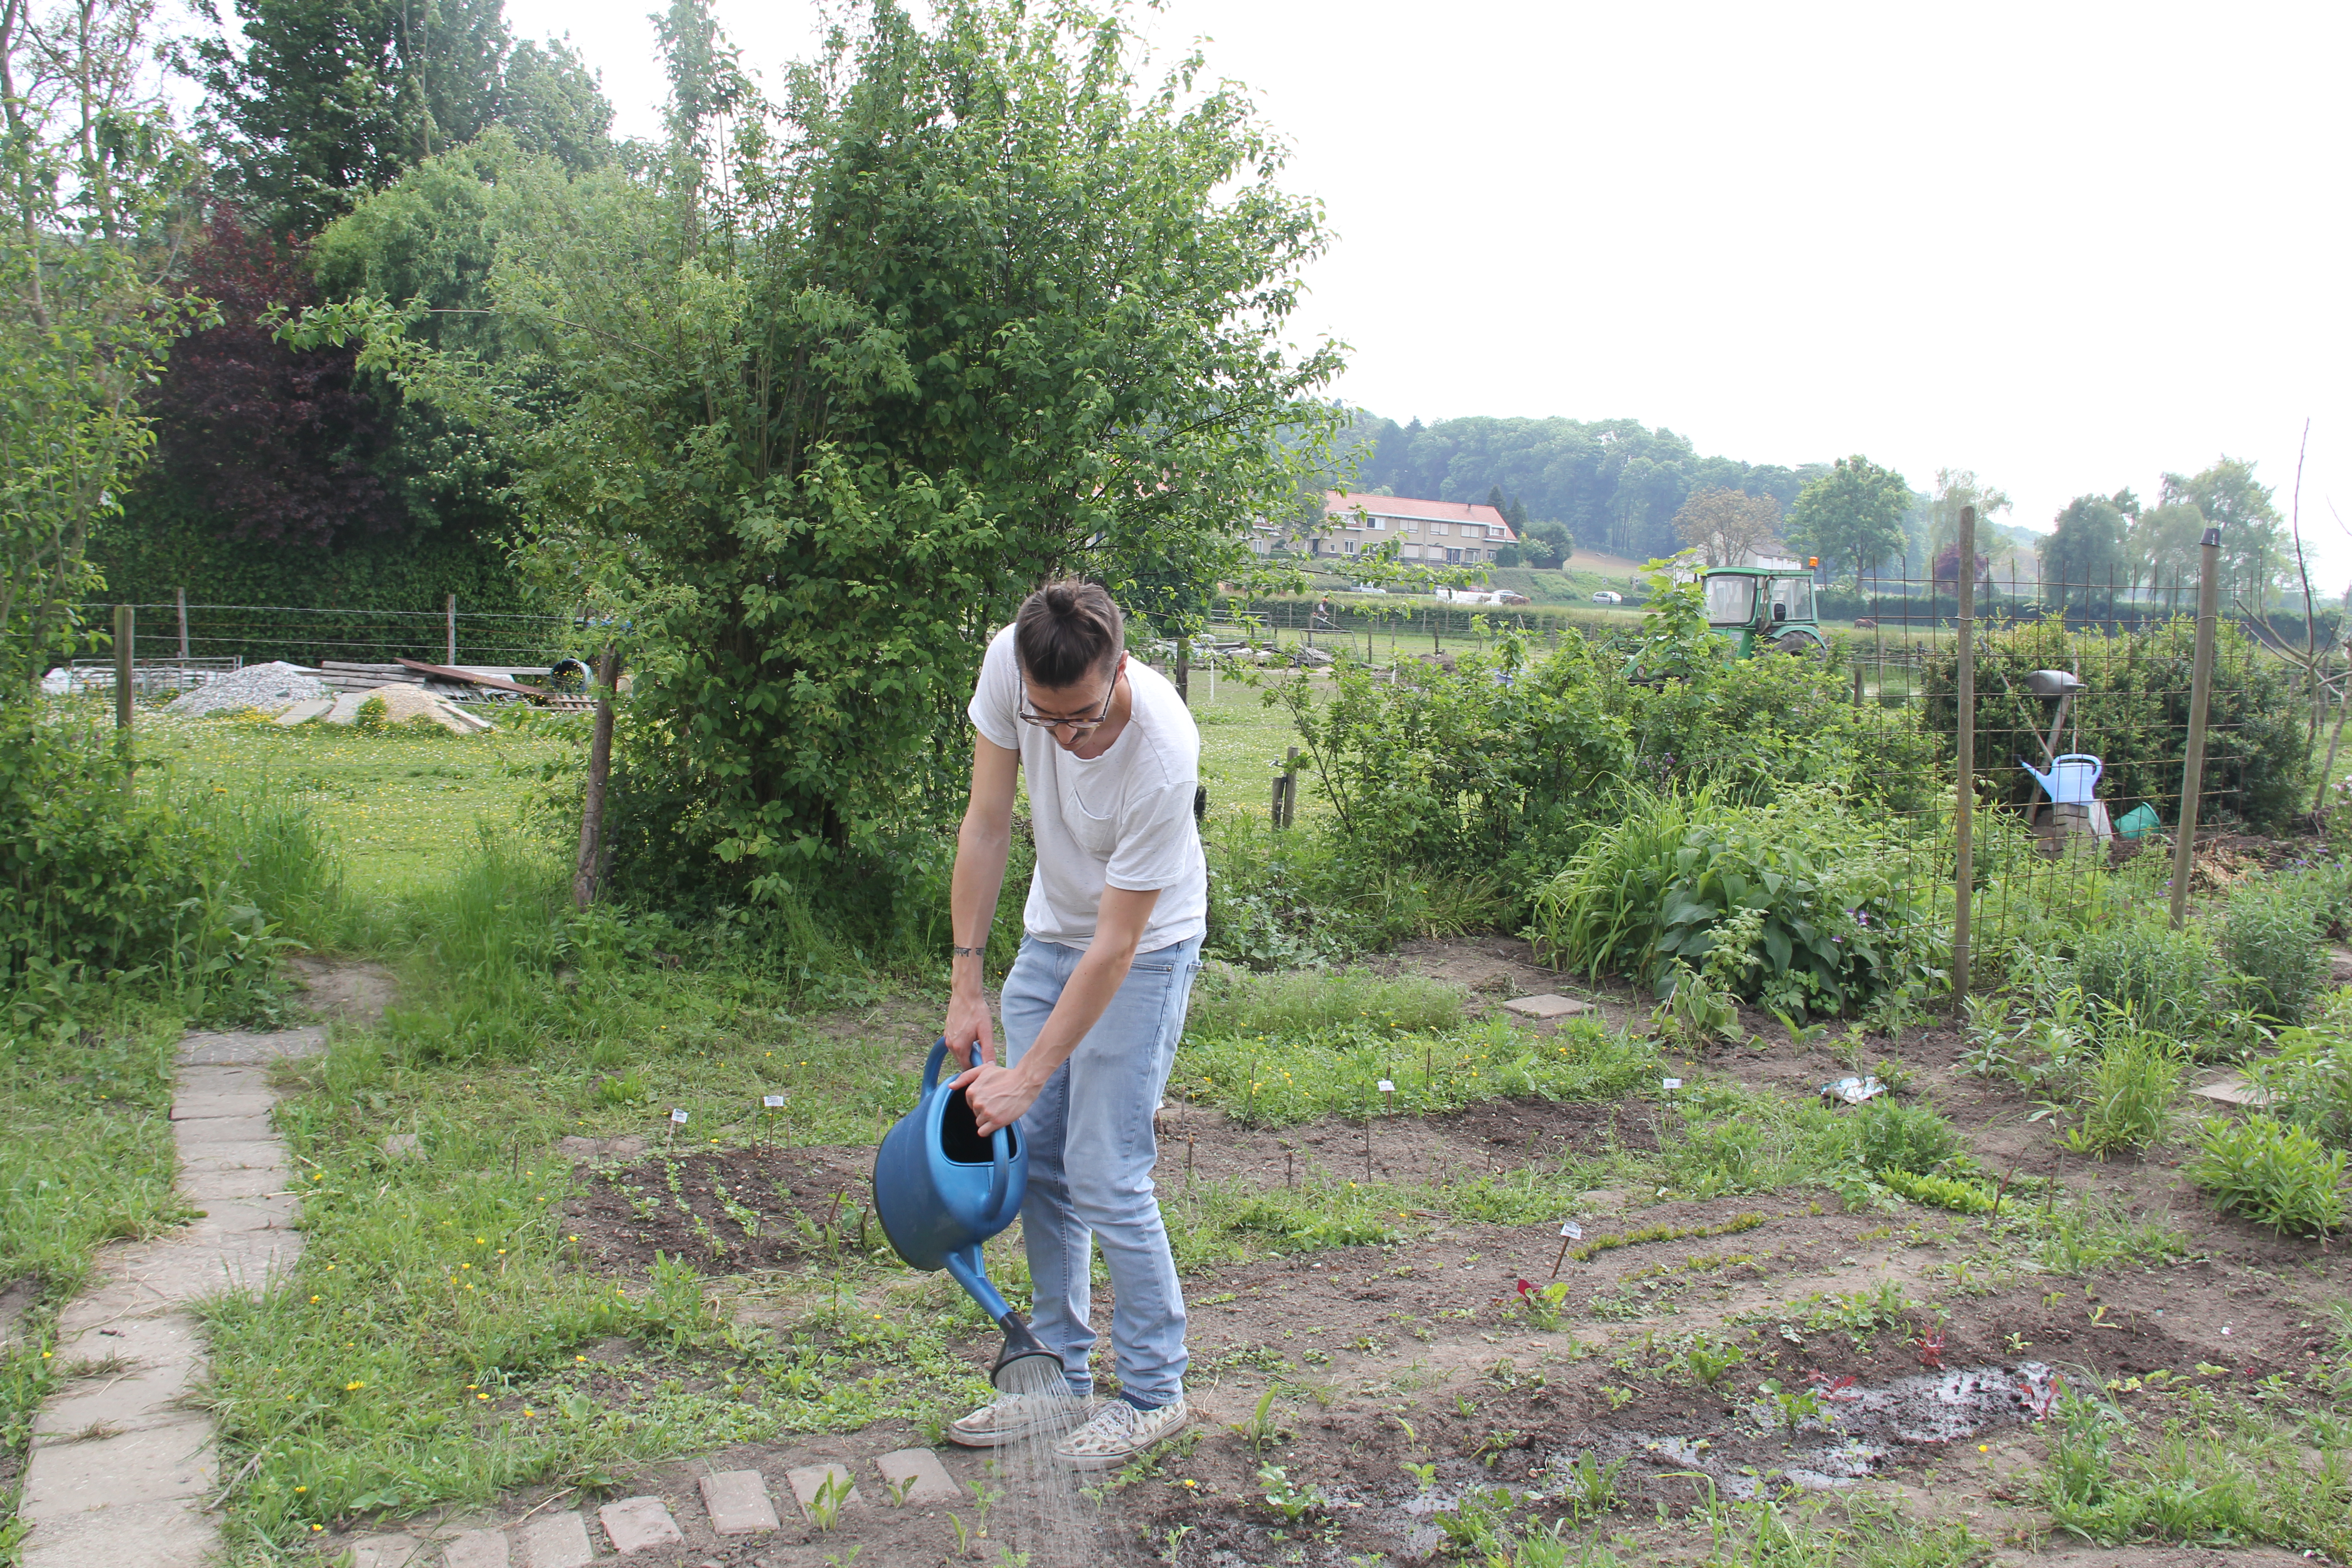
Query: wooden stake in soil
column 1569, row 1231
column 182, row 594
column 126, row 628
column 1965, row 792
column 2201, row 689
column 451, row 647
column 1188, row 1163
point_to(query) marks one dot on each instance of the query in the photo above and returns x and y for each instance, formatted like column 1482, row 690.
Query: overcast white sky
column 2068, row 246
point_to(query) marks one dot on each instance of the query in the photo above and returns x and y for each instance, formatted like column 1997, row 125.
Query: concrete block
column 200, row 1133
column 181, row 1270
column 162, row 1533
column 920, row 1474
column 120, row 1402
column 157, row 1341
column 737, row 1503
column 198, row 1080
column 555, row 1541
column 402, row 1146
column 233, row 1217
column 304, row 711
column 163, row 1463
column 1547, row 1005
column 807, row 1479
column 189, row 1107
column 262, row 1154
column 206, row 1186
column 639, row 1524
column 393, row 1551
column 2233, row 1091
column 475, row 1548
column 237, row 1049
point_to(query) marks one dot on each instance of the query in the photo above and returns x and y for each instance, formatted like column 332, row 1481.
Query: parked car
column 1607, row 596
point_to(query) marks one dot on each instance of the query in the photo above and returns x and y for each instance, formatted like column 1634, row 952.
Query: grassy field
column 1398, row 1349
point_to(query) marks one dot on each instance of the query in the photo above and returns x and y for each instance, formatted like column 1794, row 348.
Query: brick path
column 120, row 1473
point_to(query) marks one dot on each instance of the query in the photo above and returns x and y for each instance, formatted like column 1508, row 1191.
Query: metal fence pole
column 452, row 658
column 1964, row 796
column 2200, row 688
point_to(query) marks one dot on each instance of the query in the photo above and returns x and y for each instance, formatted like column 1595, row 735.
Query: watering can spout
column 2049, row 785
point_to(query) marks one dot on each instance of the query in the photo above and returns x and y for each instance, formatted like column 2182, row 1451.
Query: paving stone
column 807, row 1479
column 262, row 1154
column 555, row 1541
column 2233, row 1091
column 121, row 1401
column 918, row 1471
column 737, row 1503
column 404, row 1146
column 639, row 1524
column 155, row 1341
column 190, row 1081
column 205, row 1107
column 394, row 1550
column 162, row 1532
column 179, row 1269
column 231, row 1216
column 204, row 1186
column 163, row 1463
column 475, row 1548
column 241, row 1050
column 1547, row 1005
column 304, row 711
column 199, row 1133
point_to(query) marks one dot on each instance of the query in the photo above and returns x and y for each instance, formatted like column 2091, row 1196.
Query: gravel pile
column 264, row 686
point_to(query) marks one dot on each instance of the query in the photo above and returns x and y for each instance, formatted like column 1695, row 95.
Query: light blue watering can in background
column 2071, row 779
column 942, row 1190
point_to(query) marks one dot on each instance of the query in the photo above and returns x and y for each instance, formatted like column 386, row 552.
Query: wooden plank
column 495, row 683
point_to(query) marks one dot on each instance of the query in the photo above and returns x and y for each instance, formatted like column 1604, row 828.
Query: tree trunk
column 588, row 871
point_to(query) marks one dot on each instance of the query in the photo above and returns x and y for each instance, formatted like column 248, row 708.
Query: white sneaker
column 1118, row 1433
column 1013, row 1416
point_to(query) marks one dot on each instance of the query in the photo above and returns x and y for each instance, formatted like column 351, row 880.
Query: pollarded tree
column 1851, row 517
column 815, row 402
column 1728, row 526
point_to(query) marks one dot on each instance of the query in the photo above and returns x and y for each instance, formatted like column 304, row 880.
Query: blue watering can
column 941, row 1190
column 2071, row 778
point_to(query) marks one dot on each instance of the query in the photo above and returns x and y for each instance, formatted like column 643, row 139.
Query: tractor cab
column 1763, row 609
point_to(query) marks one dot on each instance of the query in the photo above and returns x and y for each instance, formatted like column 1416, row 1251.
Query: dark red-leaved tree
column 1946, row 568
column 282, row 446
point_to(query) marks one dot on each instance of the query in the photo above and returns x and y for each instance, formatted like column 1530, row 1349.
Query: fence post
column 452, row 658
column 126, row 627
column 600, row 770
column 1184, row 668
column 2200, row 688
column 1963, row 800
column 183, row 595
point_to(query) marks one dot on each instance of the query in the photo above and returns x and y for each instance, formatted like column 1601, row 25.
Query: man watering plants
column 1096, row 1000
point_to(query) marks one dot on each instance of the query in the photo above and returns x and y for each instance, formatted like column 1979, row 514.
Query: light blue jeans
column 1091, row 1151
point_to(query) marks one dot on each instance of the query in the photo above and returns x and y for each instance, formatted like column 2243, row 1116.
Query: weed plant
column 2271, row 937
column 1233, row 1003
column 2308, row 1082
column 2271, row 1172
column 2172, row 979
column 2127, row 1098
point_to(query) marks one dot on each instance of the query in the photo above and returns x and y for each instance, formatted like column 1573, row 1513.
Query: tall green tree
column 813, row 404
column 91, row 182
column 314, row 104
column 1851, row 517
column 2086, row 551
column 1956, row 489
column 2254, row 548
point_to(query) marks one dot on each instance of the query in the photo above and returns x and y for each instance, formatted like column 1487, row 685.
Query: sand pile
column 403, row 703
column 267, row 687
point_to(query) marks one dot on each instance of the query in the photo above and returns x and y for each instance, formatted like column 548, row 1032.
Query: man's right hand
column 967, row 1028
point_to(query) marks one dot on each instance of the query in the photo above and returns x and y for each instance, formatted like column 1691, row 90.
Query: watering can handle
column 999, row 1143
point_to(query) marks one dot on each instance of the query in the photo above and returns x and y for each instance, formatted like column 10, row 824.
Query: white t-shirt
column 1122, row 820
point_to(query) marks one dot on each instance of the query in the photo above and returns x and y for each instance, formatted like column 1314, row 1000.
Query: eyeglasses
column 1076, row 726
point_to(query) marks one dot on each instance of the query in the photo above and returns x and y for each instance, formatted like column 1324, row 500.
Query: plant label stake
column 1188, row 1164
column 676, row 1121
column 1387, row 1097
column 1569, row 1231
column 773, row 1103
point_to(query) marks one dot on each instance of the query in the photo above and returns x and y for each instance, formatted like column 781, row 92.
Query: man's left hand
column 998, row 1095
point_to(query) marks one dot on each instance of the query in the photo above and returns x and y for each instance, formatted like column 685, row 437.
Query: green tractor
column 1764, row 609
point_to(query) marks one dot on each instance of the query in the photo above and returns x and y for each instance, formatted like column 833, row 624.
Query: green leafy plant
column 1957, row 1193
column 2308, row 1080
column 2271, row 936
column 2126, row 1101
column 1291, row 1499
column 2272, row 1173
column 2171, row 979
column 1890, row 1135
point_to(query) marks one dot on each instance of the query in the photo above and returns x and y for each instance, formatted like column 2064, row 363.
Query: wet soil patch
column 728, row 1211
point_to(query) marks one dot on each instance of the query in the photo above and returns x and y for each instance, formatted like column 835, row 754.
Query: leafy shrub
column 2134, row 714
column 1290, row 899
column 2309, row 1081
column 2271, row 935
column 1892, row 1137
column 2171, row 978
column 373, row 717
column 2272, row 1173
column 2126, row 1101
column 1836, row 911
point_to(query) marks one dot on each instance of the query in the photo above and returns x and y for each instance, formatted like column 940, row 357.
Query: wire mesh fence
column 196, row 636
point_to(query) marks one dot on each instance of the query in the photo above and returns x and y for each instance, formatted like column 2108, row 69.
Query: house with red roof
column 1437, row 532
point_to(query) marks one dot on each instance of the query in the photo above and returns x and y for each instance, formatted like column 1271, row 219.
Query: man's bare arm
column 981, row 844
